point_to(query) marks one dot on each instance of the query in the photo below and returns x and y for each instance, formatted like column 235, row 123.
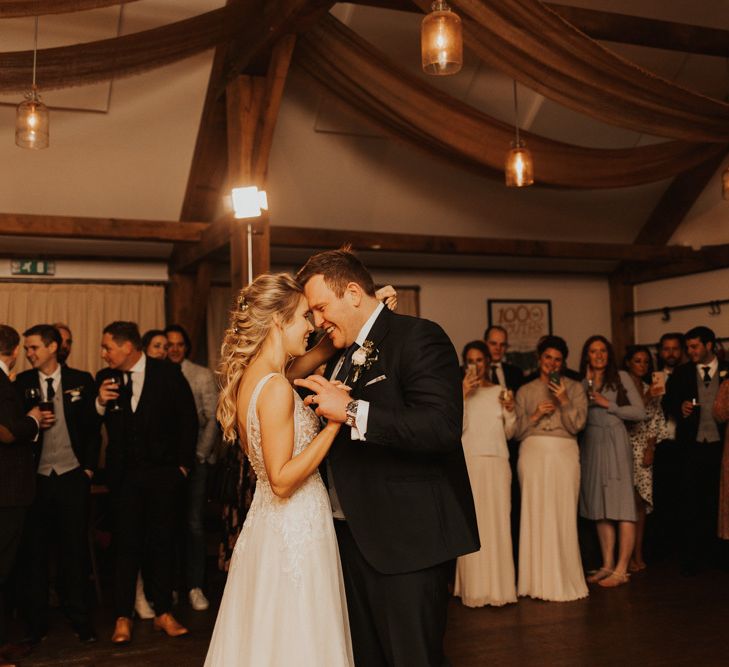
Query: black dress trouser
column 59, row 515
column 396, row 620
column 11, row 530
column 145, row 505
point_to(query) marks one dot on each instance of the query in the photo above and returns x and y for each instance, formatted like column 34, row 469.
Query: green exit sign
column 32, row 267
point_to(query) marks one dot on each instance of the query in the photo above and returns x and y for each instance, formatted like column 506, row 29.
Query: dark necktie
column 50, row 392
column 347, row 363
column 494, row 375
column 128, row 388
column 707, row 376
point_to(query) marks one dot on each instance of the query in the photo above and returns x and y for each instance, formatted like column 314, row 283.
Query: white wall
column 713, row 285
column 457, row 301
column 122, row 272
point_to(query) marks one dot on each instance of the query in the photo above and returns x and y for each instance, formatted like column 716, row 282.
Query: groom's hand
column 331, row 399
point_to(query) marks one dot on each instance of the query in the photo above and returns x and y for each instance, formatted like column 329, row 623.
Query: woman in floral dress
column 644, row 436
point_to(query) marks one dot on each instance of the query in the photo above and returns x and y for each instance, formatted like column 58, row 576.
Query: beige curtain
column 86, row 308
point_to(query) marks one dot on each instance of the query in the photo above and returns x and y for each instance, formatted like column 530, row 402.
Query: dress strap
column 254, row 399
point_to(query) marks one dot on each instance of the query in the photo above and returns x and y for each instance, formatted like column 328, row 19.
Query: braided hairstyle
column 250, row 323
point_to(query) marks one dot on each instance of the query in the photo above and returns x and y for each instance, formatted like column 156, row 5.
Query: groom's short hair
column 339, row 268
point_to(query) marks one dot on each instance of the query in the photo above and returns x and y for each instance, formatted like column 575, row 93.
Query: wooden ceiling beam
column 620, row 28
column 108, row 229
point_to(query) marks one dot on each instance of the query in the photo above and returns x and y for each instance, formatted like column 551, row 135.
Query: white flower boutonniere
column 722, row 374
column 362, row 359
column 74, row 394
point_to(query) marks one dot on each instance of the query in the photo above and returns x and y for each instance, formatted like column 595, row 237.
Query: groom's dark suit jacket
column 405, row 491
column 162, row 431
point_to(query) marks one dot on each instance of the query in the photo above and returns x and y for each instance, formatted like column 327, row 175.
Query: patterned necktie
column 494, row 375
column 50, row 392
column 347, row 363
column 707, row 376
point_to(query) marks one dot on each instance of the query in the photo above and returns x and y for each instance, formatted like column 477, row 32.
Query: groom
column 396, row 473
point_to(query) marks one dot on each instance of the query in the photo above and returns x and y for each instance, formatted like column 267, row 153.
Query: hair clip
column 242, row 303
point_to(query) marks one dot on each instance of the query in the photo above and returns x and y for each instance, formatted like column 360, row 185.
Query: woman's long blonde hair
column 250, row 322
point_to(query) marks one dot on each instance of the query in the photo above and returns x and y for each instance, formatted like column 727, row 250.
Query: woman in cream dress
column 551, row 411
column 486, row 577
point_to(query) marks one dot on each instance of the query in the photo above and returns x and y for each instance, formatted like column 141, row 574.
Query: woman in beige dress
column 721, row 414
column 486, row 577
column 551, row 411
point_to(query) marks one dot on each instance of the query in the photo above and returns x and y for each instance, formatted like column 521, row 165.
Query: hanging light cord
column 35, row 50
column 516, row 114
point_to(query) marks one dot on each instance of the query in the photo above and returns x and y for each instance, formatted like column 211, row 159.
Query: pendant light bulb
column 519, row 166
column 32, row 120
column 441, row 41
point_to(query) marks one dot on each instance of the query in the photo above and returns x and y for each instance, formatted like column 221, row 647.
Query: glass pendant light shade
column 32, row 123
column 725, row 184
column 441, row 41
column 519, row 168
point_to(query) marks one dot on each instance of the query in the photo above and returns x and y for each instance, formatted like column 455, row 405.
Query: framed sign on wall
column 525, row 321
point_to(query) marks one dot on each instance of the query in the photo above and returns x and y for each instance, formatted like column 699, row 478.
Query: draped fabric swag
column 421, row 115
column 534, row 45
column 16, row 8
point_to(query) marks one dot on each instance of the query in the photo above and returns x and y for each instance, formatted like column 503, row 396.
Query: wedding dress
column 284, row 601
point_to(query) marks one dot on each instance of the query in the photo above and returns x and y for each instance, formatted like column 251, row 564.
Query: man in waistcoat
column 690, row 396
column 151, row 420
column 66, row 458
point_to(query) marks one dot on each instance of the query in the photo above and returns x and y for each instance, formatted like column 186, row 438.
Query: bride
column 284, row 601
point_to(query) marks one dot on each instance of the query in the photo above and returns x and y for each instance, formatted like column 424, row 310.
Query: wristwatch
column 351, row 411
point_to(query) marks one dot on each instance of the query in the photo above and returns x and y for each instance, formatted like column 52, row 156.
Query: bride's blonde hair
column 250, row 323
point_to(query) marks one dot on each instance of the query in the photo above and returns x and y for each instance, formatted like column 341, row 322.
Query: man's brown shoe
column 169, row 624
column 122, row 630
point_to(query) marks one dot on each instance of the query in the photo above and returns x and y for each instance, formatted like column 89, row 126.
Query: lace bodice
column 298, row 519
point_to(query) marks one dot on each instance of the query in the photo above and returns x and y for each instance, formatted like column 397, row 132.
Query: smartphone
column 554, row 377
column 471, row 370
column 658, row 380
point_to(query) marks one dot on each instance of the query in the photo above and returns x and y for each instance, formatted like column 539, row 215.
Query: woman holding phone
column 644, row 436
column 486, row 577
column 606, row 494
column 551, row 411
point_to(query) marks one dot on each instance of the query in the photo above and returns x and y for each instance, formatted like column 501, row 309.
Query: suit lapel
column 377, row 335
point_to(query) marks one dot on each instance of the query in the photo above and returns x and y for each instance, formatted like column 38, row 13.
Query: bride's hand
column 388, row 295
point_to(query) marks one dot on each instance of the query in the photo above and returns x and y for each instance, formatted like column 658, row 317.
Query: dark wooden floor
column 659, row 618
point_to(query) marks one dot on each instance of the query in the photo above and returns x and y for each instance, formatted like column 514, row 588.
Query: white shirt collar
column 141, row 365
column 4, row 367
column 365, row 330
column 713, row 366
column 56, row 375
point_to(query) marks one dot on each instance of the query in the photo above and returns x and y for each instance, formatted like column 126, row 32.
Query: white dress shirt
column 43, row 379
column 713, row 367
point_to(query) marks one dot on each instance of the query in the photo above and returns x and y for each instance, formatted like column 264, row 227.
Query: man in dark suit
column 17, row 471
column 66, row 458
column 396, row 472
column 150, row 416
column 501, row 372
column 690, row 396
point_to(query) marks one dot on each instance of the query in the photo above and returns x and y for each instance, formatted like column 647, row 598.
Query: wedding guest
column 154, row 344
column 486, row 577
column 667, row 464
column 205, row 393
column 66, row 458
column 721, row 415
column 17, row 475
column 66, row 341
column 566, row 370
column 551, row 411
column 690, row 396
column 606, row 492
column 501, row 372
column 644, row 436
column 151, row 420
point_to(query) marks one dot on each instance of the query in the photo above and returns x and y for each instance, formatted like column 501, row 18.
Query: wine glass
column 113, row 405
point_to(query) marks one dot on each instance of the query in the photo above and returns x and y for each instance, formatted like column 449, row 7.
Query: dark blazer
column 405, row 491
column 683, row 386
column 17, row 470
column 513, row 375
column 82, row 422
column 163, row 429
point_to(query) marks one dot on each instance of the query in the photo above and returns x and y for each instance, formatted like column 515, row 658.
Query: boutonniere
column 74, row 394
column 722, row 374
column 362, row 359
